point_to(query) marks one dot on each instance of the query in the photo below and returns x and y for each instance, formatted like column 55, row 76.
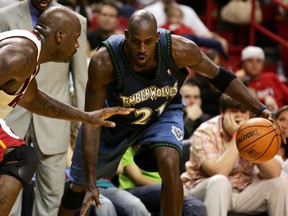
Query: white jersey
column 7, row 101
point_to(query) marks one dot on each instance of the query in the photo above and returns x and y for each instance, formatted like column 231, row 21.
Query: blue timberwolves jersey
column 149, row 97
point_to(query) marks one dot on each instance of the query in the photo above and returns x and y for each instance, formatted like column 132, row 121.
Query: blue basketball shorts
column 167, row 131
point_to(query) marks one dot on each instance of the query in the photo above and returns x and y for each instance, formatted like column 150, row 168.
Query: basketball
column 258, row 140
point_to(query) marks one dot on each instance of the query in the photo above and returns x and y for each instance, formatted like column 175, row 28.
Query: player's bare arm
column 100, row 73
column 39, row 102
column 187, row 51
column 187, row 54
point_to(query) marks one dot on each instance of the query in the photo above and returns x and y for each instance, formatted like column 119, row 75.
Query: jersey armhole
column 115, row 65
column 182, row 71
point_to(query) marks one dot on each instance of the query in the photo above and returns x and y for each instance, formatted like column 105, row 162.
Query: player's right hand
column 98, row 117
column 91, row 195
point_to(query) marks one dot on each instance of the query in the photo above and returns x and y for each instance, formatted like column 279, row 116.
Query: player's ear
column 59, row 36
column 126, row 34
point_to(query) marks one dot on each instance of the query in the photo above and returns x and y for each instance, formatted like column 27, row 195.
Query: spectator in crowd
column 193, row 113
column 224, row 180
column 281, row 117
column 147, row 186
column 266, row 84
column 190, row 19
column 107, row 25
column 50, row 137
column 174, row 23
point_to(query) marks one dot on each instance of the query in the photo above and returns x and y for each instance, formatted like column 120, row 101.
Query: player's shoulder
column 100, row 67
column 102, row 58
column 184, row 50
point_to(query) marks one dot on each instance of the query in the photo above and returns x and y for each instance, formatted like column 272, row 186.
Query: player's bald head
column 142, row 20
column 58, row 17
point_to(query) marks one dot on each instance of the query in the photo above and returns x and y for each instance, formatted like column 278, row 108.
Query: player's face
column 141, row 47
column 70, row 44
column 282, row 121
column 191, row 95
column 253, row 66
column 41, row 5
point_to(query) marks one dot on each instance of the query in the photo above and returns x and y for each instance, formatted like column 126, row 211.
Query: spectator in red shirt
column 266, row 84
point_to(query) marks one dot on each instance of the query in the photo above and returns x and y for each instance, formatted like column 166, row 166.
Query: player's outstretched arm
column 39, row 102
column 187, row 54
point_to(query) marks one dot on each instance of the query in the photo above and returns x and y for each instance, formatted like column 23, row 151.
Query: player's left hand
column 90, row 196
column 97, row 117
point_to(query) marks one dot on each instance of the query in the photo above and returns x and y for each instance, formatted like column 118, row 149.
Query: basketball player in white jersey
column 21, row 53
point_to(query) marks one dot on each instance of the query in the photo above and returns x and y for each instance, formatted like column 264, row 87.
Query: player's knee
column 21, row 163
column 73, row 196
column 168, row 160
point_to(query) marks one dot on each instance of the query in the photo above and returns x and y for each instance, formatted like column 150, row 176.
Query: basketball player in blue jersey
column 55, row 38
column 143, row 70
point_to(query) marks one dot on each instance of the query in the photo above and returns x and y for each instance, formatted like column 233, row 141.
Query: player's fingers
column 85, row 206
column 116, row 111
column 98, row 204
column 106, row 123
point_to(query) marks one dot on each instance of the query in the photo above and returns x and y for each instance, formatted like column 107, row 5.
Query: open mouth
column 44, row 4
column 141, row 58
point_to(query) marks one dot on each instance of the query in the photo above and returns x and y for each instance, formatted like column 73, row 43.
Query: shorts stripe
column 2, row 144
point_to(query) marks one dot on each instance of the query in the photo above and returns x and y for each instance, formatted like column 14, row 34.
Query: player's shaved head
column 57, row 17
column 59, row 28
column 142, row 20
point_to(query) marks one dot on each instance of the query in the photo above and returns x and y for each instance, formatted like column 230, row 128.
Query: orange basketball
column 258, row 140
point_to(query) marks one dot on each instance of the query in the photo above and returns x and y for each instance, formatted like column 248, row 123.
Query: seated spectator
column 265, row 83
column 147, row 187
column 193, row 113
column 174, row 23
column 190, row 19
column 281, row 117
column 107, row 25
column 225, row 181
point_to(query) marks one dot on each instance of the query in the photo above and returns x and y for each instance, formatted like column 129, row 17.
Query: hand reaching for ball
column 268, row 115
